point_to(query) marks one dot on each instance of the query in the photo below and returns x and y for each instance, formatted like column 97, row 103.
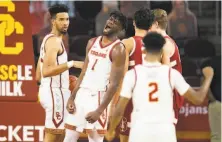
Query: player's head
column 160, row 20
column 60, row 17
column 143, row 19
column 153, row 43
column 116, row 23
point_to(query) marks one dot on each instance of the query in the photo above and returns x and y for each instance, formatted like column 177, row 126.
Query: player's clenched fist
column 71, row 108
column 208, row 72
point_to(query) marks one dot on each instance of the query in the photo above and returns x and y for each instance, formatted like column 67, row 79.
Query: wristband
column 70, row 64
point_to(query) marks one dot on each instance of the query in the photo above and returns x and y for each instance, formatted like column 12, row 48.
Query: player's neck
column 139, row 32
column 162, row 32
column 106, row 39
column 150, row 58
column 57, row 33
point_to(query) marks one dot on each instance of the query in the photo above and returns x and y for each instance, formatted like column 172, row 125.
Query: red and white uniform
column 135, row 58
column 151, row 88
column 93, row 88
column 54, row 91
column 176, row 64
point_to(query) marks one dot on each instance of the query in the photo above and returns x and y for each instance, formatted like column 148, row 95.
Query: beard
column 63, row 32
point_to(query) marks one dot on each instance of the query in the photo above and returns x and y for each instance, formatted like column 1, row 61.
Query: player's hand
column 93, row 116
column 208, row 72
column 110, row 135
column 78, row 64
column 71, row 108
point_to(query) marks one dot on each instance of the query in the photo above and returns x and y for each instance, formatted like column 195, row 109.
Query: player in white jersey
column 151, row 85
column 99, row 80
column 52, row 72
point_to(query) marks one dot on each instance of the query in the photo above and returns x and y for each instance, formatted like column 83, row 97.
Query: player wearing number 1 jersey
column 151, row 86
column 98, row 82
column 143, row 19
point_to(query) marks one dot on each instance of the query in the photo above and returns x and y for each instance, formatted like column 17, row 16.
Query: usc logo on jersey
column 9, row 25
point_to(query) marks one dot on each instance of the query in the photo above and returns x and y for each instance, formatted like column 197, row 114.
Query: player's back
column 136, row 55
column 57, row 81
column 175, row 57
column 152, row 94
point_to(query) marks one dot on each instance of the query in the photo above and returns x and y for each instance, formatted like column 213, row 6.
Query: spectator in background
column 128, row 8
column 214, row 107
column 37, row 10
column 182, row 22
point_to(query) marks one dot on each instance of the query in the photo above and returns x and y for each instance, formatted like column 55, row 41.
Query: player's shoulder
column 53, row 40
column 93, row 39
column 128, row 43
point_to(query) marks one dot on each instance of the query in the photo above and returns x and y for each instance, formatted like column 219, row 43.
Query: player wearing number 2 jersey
column 143, row 19
column 98, row 82
column 151, row 86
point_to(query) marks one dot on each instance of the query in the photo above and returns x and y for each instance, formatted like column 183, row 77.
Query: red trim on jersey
column 100, row 43
column 63, row 49
column 46, row 40
column 111, row 50
column 135, row 77
column 63, row 103
column 53, row 105
column 93, row 43
column 99, row 120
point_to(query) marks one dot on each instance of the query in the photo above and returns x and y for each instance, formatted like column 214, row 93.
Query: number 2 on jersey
column 93, row 67
column 154, row 90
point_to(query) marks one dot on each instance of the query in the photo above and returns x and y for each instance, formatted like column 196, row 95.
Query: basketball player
column 151, row 86
column 143, row 19
column 98, row 82
column 171, row 55
column 52, row 71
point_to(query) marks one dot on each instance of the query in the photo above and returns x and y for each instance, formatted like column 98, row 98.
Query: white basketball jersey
column 99, row 66
column 61, row 80
column 153, row 94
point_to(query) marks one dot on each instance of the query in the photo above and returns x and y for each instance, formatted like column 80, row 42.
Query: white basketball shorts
column 141, row 132
column 54, row 101
column 86, row 101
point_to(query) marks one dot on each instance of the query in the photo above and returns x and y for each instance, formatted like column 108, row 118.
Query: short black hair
column 57, row 8
column 143, row 18
column 122, row 19
column 154, row 42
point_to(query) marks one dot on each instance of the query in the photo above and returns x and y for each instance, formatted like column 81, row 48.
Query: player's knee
column 95, row 137
column 71, row 136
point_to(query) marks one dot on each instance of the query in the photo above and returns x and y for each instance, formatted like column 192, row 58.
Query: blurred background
column 194, row 25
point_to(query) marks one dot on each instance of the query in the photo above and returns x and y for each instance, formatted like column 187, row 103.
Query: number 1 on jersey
column 155, row 89
column 93, row 67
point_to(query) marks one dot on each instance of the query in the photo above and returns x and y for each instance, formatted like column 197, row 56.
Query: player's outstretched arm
column 196, row 97
column 116, row 117
column 126, row 95
column 50, row 66
column 117, row 73
column 70, row 105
